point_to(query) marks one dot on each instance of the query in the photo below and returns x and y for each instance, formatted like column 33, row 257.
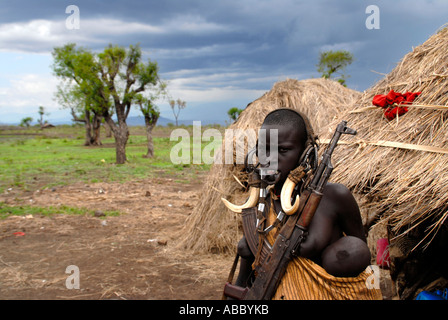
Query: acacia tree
column 26, row 122
column 151, row 113
column 110, row 80
column 76, row 68
column 180, row 105
column 92, row 124
column 234, row 113
column 41, row 113
column 333, row 62
column 82, row 111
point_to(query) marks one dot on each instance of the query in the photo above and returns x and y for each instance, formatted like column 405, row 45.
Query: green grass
column 6, row 211
column 34, row 160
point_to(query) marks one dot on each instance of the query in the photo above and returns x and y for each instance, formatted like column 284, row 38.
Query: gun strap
column 255, row 240
column 261, row 237
column 256, row 236
column 232, row 271
column 272, row 268
column 278, row 261
column 249, row 217
column 228, row 286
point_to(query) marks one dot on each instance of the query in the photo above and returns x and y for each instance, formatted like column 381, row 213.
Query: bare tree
column 151, row 114
column 180, row 105
column 42, row 112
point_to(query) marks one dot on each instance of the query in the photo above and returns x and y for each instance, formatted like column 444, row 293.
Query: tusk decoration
column 251, row 202
column 239, row 182
column 285, row 198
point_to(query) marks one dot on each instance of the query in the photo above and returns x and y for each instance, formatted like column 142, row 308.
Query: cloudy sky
column 214, row 54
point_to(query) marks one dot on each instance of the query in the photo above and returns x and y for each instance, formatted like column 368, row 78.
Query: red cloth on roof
column 388, row 101
column 391, row 112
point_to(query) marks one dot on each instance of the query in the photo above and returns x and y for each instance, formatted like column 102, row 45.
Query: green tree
column 332, row 63
column 82, row 111
column 151, row 112
column 26, row 122
column 42, row 113
column 234, row 113
column 109, row 81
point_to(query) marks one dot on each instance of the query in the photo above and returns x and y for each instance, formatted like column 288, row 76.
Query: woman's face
column 290, row 145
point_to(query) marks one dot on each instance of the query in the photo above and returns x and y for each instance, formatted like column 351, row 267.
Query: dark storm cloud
column 232, row 44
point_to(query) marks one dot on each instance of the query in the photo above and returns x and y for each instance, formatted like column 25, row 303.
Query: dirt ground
column 135, row 255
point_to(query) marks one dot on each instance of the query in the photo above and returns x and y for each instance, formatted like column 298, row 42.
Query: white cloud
column 353, row 46
column 208, row 50
column 22, row 36
column 233, row 48
column 215, row 94
column 25, row 94
column 37, row 36
column 214, row 87
column 193, row 24
column 114, row 27
column 42, row 35
column 211, row 78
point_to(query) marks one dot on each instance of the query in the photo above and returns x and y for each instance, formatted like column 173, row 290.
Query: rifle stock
column 271, row 271
column 310, row 208
column 234, row 292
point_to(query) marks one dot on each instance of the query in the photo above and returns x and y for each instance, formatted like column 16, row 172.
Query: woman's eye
column 283, row 150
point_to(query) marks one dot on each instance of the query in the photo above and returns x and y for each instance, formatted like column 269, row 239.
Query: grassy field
column 33, row 159
column 62, row 204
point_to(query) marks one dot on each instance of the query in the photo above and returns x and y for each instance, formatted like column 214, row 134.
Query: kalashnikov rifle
column 294, row 232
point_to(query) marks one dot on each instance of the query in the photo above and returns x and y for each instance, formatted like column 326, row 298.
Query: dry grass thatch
column 407, row 187
column 212, row 227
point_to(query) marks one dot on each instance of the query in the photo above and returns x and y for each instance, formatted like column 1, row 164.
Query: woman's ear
column 309, row 156
column 249, row 162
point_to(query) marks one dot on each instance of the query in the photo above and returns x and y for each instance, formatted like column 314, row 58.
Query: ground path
column 131, row 256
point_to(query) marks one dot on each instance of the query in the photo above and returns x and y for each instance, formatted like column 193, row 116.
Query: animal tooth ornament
column 259, row 180
column 285, row 198
column 254, row 195
column 251, row 202
column 307, row 162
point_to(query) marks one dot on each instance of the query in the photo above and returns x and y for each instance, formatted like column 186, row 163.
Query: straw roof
column 405, row 186
column 212, row 227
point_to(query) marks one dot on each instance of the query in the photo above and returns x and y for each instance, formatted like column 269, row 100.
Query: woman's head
column 293, row 134
column 287, row 134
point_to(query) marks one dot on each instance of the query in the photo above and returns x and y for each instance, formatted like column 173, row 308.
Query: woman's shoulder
column 336, row 190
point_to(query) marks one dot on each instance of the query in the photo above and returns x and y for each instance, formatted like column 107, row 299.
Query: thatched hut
column 212, row 227
column 399, row 167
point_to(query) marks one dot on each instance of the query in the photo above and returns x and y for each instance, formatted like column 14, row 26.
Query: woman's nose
column 268, row 158
column 269, row 162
